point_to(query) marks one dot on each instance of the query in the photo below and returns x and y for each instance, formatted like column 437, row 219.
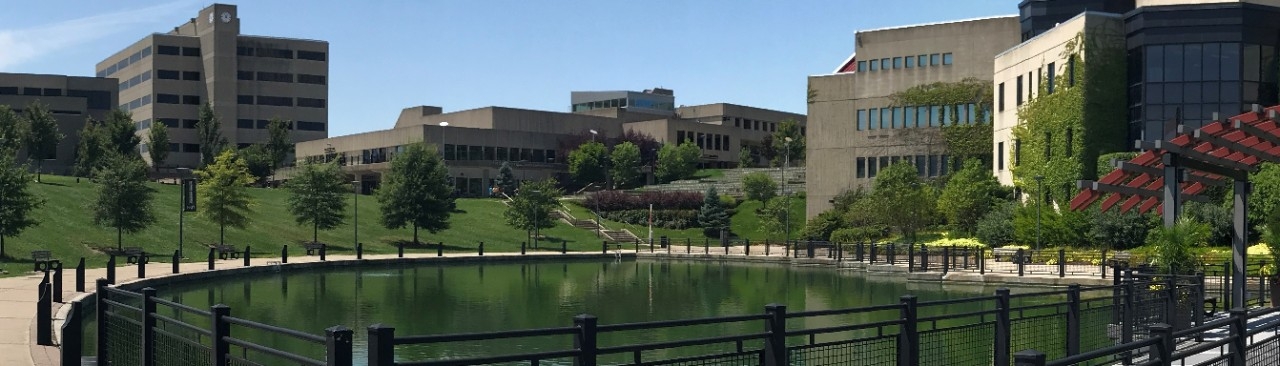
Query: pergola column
column 1239, row 238
column 1172, row 189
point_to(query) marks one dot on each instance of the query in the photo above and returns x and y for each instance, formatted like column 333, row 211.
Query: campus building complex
column 860, row 129
column 476, row 142
column 248, row 80
column 71, row 100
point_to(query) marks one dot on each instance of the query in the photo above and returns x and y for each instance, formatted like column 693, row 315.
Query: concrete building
column 1045, row 58
column 248, row 80
column 476, row 142
column 858, row 129
column 72, row 100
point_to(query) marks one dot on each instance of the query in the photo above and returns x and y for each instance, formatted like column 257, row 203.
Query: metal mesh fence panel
column 1148, row 308
column 1096, row 329
column 1044, row 333
column 868, row 351
column 180, row 346
column 1264, row 353
column 728, row 359
column 124, row 336
column 238, row 361
column 963, row 345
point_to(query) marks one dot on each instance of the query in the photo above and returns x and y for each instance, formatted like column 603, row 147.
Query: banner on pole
column 189, row 195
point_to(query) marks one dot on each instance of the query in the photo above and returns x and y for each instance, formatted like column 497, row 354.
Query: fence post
column 211, row 258
column 809, row 249
column 522, row 244
column 1198, row 315
column 72, row 348
column 946, row 260
column 142, row 265
column 924, row 260
column 908, row 338
column 324, row 248
column 873, row 253
column 44, row 313
column 1126, row 323
column 604, row 247
column 175, row 262
column 80, row 276
column 1003, row 333
column 440, row 249
column 284, row 254
column 726, row 249
column 967, row 252
column 1170, row 301
column 858, row 252
column 1103, row 264
column 766, row 247
column 746, row 247
column 1029, row 357
column 337, row 342
column 1062, row 263
column 706, row 250
column 359, row 250
column 400, row 249
column 481, row 249
column 148, row 326
column 100, row 310
column 1163, row 350
column 564, row 246
column 111, row 269
column 382, row 347
column 57, row 281
column 911, row 256
column 246, row 256
column 775, row 348
column 892, row 249
column 1239, row 340
column 982, row 261
column 1073, row 319
column 585, row 341
column 220, row 330
column 1021, row 261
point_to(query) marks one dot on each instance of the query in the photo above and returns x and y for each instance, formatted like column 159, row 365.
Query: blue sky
column 388, row 55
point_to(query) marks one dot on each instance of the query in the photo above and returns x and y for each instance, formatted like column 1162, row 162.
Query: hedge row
column 607, row 201
column 667, row 219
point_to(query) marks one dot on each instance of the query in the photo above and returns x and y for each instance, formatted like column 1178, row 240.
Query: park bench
column 313, row 247
column 134, row 255
column 1002, row 254
column 41, row 259
column 1120, row 259
column 225, row 251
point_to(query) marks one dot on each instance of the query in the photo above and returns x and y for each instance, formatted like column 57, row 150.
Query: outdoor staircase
column 615, row 236
column 731, row 182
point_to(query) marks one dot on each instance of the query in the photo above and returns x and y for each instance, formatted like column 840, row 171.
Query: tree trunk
column 315, row 232
column 119, row 240
column 222, row 234
column 1, row 246
column 415, row 234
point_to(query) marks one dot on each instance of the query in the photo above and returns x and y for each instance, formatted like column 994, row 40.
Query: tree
column 224, row 197
column 416, row 191
column 793, row 150
column 16, row 202
column 822, row 226
column 759, row 186
column 121, row 136
column 278, row 146
column 209, row 134
column 531, row 207
column 776, row 217
column 43, row 135
column 677, row 162
column 586, row 163
column 626, row 165
column 898, row 186
column 158, row 144
column 317, row 197
column 767, row 152
column 712, row 216
column 995, row 229
column 744, row 157
column 92, row 150
column 258, row 159
column 968, row 196
column 506, row 180
column 13, row 129
column 124, row 199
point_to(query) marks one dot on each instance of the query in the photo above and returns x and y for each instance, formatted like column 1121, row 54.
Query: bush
column 996, row 229
column 759, row 186
column 1120, row 231
column 859, row 234
column 608, row 201
column 822, row 226
column 958, row 242
column 666, row 219
column 1217, row 217
column 728, row 201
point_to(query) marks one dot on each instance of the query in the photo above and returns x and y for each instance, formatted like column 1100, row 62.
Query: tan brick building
column 72, row 100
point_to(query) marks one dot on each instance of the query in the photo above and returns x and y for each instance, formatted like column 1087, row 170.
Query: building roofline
column 284, row 38
column 745, row 106
column 55, row 75
column 846, row 62
column 1078, row 16
column 937, row 23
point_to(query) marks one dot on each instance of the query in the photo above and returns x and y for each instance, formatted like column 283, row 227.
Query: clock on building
column 226, row 17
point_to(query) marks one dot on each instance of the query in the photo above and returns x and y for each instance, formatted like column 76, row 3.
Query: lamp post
column 183, row 175
column 355, row 216
column 1039, row 197
column 786, row 160
column 453, row 186
column 533, row 206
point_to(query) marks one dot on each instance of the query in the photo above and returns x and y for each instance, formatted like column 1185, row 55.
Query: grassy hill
column 744, row 223
column 66, row 228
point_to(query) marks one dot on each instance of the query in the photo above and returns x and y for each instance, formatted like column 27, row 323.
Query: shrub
column 859, row 234
column 1174, row 245
column 958, row 242
column 822, row 226
column 996, row 227
column 728, row 201
column 1120, row 231
column 759, row 186
column 608, row 201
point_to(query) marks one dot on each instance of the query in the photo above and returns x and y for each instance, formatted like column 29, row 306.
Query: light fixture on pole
column 593, row 135
column 355, row 231
column 1039, row 197
column 184, row 179
column 453, row 187
column 533, row 207
column 786, row 210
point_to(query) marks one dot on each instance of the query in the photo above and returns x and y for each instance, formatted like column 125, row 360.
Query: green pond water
column 439, row 299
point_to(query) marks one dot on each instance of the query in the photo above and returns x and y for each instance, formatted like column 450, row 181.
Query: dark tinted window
column 51, row 92
column 244, row 123
column 311, row 79
column 244, row 75
column 168, row 122
column 167, row 98
column 311, row 102
column 191, row 99
column 168, row 50
column 191, row 148
column 190, row 75
column 8, row 90
column 167, row 74
column 190, row 123
column 275, row 53
column 31, row 91
column 310, row 126
column 191, row 51
column 276, row 101
column 278, row 77
column 244, row 99
column 244, row 51
column 309, row 55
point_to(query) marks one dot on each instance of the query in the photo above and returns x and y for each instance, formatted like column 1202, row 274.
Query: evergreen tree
column 17, row 203
column 317, row 197
column 158, row 144
column 121, row 135
column 506, row 180
column 43, row 135
column 712, row 216
column 92, row 149
column 124, row 199
column 626, row 165
column 586, row 163
column 416, row 191
column 224, row 197
column 209, row 134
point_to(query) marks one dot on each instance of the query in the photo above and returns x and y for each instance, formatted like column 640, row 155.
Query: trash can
column 664, row 241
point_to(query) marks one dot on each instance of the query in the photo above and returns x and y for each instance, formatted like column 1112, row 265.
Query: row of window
column 755, row 125
column 280, row 101
column 281, row 77
column 95, row 99
column 492, row 153
column 921, row 116
column 178, row 75
column 136, row 103
column 905, row 62
column 1029, row 86
column 705, row 141
column 279, row 53
column 927, row 166
column 135, row 57
column 47, row 92
column 135, row 80
column 260, row 124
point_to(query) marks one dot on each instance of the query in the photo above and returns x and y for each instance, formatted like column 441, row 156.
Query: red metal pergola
column 1170, row 172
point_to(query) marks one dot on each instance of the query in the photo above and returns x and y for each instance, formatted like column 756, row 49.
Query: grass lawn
column 708, row 174
column 66, row 228
column 745, row 223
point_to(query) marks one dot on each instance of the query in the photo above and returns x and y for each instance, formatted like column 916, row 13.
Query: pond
column 440, row 299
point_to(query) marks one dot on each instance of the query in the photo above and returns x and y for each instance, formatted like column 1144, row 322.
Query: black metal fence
column 138, row 328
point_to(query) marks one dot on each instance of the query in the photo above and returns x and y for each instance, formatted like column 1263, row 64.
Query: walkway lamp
column 786, row 160
column 355, row 231
column 1039, row 179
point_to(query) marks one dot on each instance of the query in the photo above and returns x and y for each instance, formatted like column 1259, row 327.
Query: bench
column 134, row 255
column 1005, row 253
column 1119, row 258
column 41, row 258
column 1213, row 306
column 225, row 251
column 313, row 247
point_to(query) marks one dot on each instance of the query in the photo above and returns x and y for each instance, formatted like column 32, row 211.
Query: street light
column 453, row 186
column 534, row 209
column 183, row 175
column 1040, row 197
column 786, row 160
column 593, row 135
column 355, row 231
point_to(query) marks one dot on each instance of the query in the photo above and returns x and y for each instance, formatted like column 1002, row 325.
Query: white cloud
column 18, row 46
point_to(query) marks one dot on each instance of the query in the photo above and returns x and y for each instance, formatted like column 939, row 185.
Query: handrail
column 843, row 328
column 866, row 309
column 680, row 322
column 179, row 306
column 1072, row 360
column 182, row 324
column 682, row 343
column 494, row 359
column 274, row 329
column 957, row 301
column 460, row 337
column 957, row 316
column 115, row 304
column 124, row 292
column 272, row 351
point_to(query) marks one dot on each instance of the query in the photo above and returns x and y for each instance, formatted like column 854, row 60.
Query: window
column 175, row 147
column 1031, row 89
column 1048, row 144
column 167, row 74
column 142, row 125
column 946, row 58
column 8, row 90
column 909, row 116
column 921, row 61
column 910, row 62
column 936, row 116
column 190, row 123
column 942, row 165
column 275, row 53
column 1052, row 82
column 449, row 152
column 191, row 148
column 244, row 51
column 884, row 64
column 244, row 123
column 167, row 98
column 874, row 65
column 191, row 99
column 1000, row 96
column 1018, row 96
column 897, row 62
column 310, row 126
column 168, row 122
column 311, row 79
column 886, row 118
column 166, row 50
column 1000, row 155
column 278, row 77
column 32, row 91
column 191, row 51
column 861, row 167
column 935, row 59
column 871, row 167
column 52, row 92
column 1017, row 152
column 191, row 75
column 244, row 75
column 933, row 166
column 898, row 117
column 862, row 66
column 311, row 55
column 873, row 122
column 971, row 113
column 275, row 101
column 244, row 99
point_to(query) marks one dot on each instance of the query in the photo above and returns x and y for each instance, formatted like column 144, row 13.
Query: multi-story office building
column 72, row 100
column 858, row 129
column 476, row 142
column 1038, row 16
column 248, row 80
